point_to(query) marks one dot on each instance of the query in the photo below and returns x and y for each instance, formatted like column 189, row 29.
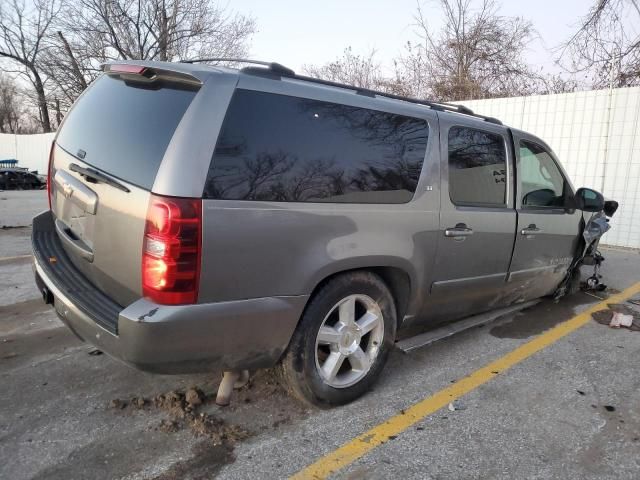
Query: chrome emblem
column 67, row 190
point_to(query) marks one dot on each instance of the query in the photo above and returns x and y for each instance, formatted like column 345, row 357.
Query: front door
column 477, row 220
column 548, row 226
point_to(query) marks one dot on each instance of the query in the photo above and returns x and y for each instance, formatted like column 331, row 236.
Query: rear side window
column 288, row 149
column 124, row 128
column 477, row 167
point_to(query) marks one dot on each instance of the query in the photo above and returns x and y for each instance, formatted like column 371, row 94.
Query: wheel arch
column 400, row 281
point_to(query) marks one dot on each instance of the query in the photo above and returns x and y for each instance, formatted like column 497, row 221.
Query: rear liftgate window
column 288, row 149
column 124, row 128
column 477, row 167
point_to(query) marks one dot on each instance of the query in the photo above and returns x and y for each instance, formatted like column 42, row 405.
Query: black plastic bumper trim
column 59, row 269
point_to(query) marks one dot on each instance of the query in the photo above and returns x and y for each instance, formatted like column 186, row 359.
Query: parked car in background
column 205, row 217
column 17, row 179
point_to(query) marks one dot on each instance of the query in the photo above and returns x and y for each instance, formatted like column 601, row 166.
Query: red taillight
column 171, row 250
column 131, row 69
column 50, row 173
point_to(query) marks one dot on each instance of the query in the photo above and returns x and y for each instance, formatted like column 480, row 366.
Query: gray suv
column 204, row 217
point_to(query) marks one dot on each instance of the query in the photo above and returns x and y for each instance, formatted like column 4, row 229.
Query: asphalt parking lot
column 569, row 410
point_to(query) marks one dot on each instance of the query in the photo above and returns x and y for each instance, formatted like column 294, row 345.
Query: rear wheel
column 342, row 342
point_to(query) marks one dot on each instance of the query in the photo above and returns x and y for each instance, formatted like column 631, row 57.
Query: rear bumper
column 243, row 334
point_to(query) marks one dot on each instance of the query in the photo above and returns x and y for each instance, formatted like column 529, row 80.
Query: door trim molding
column 446, row 287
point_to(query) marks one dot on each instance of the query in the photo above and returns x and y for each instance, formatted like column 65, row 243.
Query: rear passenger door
column 548, row 224
column 477, row 218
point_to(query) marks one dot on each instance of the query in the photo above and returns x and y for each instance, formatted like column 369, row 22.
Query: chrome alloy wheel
column 349, row 340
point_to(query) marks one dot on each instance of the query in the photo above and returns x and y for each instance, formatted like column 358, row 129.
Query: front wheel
column 342, row 342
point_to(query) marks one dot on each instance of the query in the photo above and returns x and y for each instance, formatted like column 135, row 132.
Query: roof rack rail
column 282, row 71
column 273, row 66
column 440, row 106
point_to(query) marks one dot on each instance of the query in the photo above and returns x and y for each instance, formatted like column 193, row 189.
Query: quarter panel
column 256, row 249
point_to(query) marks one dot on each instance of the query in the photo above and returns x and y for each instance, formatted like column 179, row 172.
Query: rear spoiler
column 144, row 74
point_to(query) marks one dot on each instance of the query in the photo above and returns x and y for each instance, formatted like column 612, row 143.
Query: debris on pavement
column 138, row 402
column 182, row 409
column 619, row 320
column 592, row 295
column 618, row 315
column 168, row 426
column 455, row 405
column 95, row 352
column 117, row 404
column 193, row 396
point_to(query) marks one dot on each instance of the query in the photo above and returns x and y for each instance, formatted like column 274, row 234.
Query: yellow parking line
column 359, row 446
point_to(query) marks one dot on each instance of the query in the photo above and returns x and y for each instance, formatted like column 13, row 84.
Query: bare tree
column 607, row 44
column 362, row 71
column 94, row 31
column 71, row 67
column 351, row 68
column 164, row 30
column 23, row 32
column 9, row 109
column 554, row 83
column 477, row 54
column 14, row 116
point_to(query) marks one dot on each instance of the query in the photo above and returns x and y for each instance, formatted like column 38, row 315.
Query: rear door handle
column 530, row 230
column 460, row 230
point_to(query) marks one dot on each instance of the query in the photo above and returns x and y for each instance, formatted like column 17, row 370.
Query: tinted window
column 288, row 149
column 541, row 183
column 124, row 129
column 477, row 167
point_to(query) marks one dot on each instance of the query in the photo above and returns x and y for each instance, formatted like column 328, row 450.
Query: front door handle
column 460, row 230
column 530, row 230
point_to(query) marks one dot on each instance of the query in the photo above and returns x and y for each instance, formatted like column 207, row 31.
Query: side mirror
column 589, row 200
column 610, row 207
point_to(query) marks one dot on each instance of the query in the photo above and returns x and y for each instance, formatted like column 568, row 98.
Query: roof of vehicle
column 200, row 70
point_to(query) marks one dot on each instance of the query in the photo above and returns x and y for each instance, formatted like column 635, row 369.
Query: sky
column 300, row 32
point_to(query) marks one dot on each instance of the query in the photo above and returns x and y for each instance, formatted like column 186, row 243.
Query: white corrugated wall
column 596, row 135
column 31, row 151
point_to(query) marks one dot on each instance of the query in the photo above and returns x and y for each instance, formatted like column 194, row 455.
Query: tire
column 344, row 361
